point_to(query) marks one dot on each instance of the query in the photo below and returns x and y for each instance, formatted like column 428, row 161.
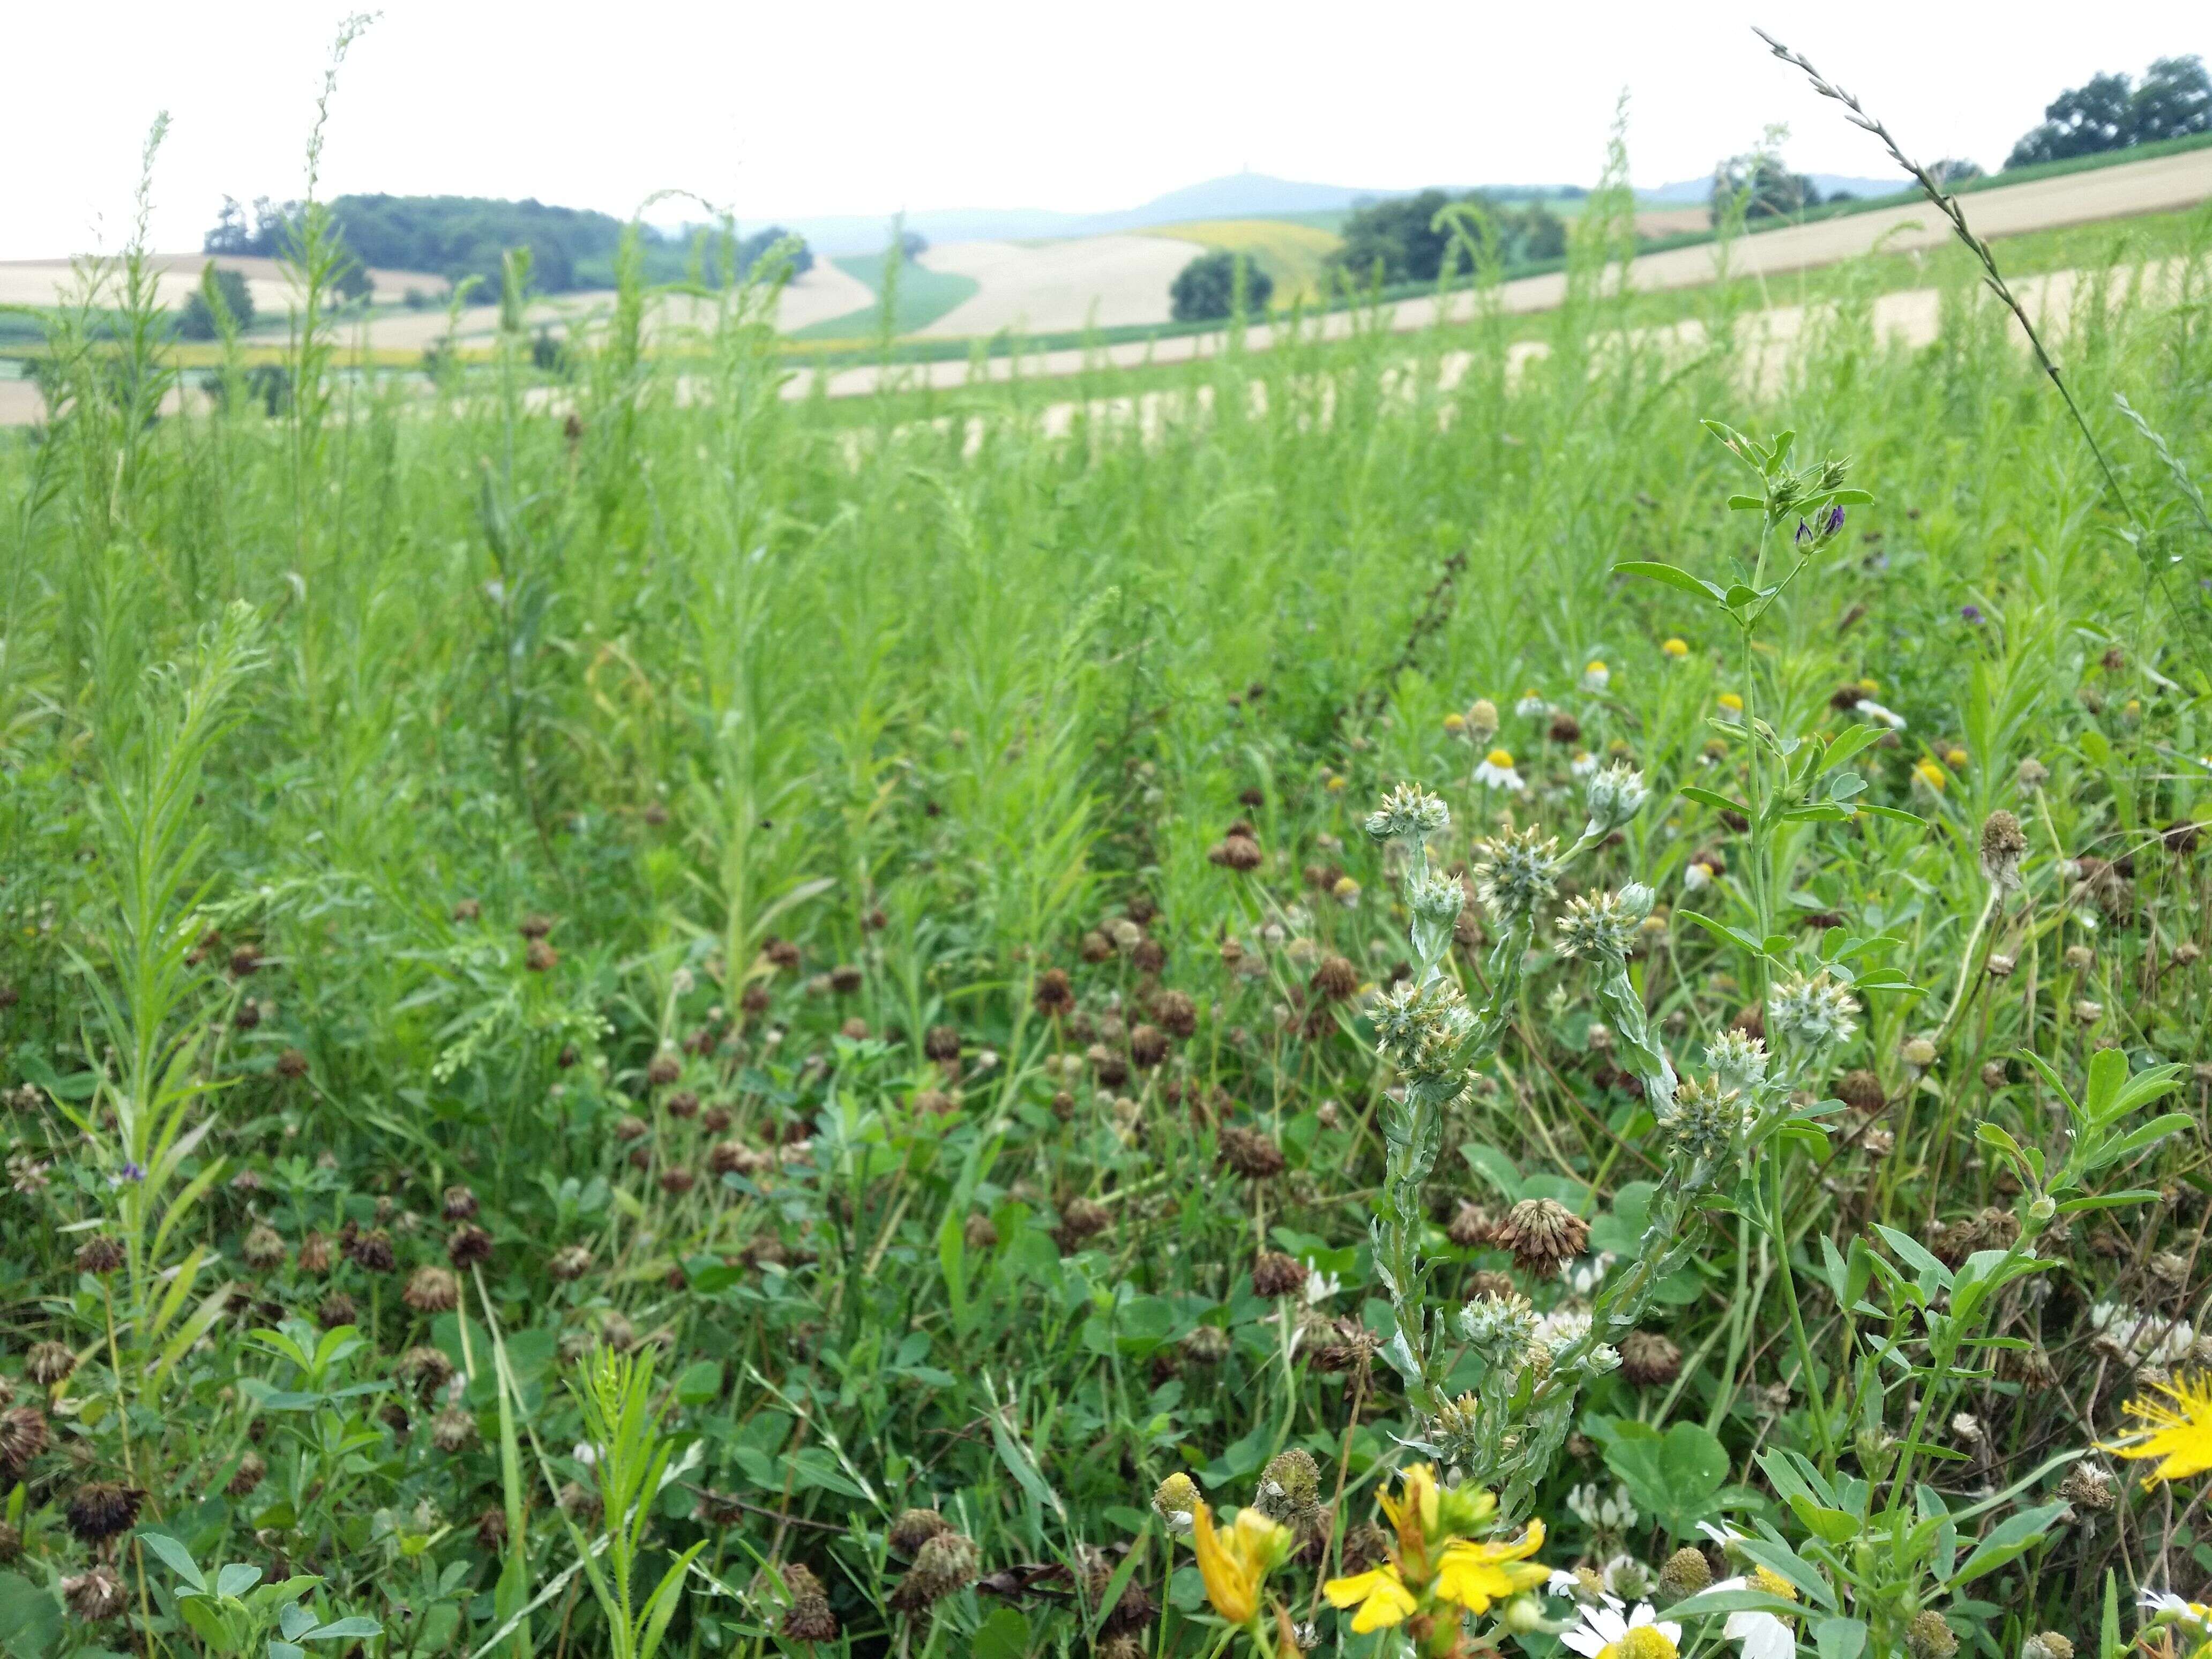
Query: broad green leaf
column 236, row 1578
column 1672, row 576
column 179, row 1558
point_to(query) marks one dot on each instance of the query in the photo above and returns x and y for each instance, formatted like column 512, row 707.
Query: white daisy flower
column 1531, row 706
column 1596, row 675
column 1496, row 771
column 1764, row 1635
column 1696, row 877
column 1605, row 1630
column 1874, row 711
column 1585, row 763
column 2167, row 1609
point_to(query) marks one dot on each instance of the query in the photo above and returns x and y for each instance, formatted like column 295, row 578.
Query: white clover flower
column 1596, row 675
column 1319, row 1287
column 1586, row 1275
column 1409, row 813
column 2141, row 1338
column 1874, row 711
column 1496, row 771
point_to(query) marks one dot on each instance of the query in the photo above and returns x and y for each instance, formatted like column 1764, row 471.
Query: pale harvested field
column 1109, row 280
column 47, row 281
column 1671, row 222
column 2115, row 192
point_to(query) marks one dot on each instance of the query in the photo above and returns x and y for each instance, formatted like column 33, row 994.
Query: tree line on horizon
column 456, row 238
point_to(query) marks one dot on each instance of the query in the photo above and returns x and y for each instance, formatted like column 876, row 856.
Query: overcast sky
column 822, row 106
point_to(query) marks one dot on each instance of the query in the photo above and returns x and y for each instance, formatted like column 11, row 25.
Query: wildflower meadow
column 1538, row 987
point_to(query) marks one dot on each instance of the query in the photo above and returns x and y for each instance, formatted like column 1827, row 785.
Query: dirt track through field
column 2115, row 192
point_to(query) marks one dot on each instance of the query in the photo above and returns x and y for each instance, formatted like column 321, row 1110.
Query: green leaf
column 2016, row 1535
column 698, row 1384
column 1713, row 798
column 1004, row 1635
column 281, row 1650
column 356, row 1627
column 2138, row 1139
column 1493, row 1166
column 1748, row 503
column 1676, row 1476
column 295, row 1620
column 1839, row 1638
column 179, row 1558
column 1672, row 576
column 1721, row 930
column 1895, row 814
column 235, row 1579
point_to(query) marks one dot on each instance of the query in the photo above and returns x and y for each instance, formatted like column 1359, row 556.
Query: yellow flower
column 1413, row 1513
column 1929, row 774
column 2179, row 1435
column 1869, row 685
column 1676, row 648
column 1334, row 783
column 1500, row 759
column 1381, row 1597
column 1234, row 1565
column 1455, row 722
column 1955, row 758
column 1475, row 1575
column 1732, row 702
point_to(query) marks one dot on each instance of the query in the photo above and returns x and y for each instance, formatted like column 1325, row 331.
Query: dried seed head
column 1335, row 979
column 432, row 1290
column 979, row 1234
column 2046, row 1644
column 1177, row 1013
column 1861, row 1090
column 49, row 1362
column 264, row 1248
column 251, row 1470
column 336, row 1309
column 1472, row 1227
column 1918, row 1053
column 1148, row 1046
column 102, row 1509
column 96, row 1595
column 491, row 1531
column 540, row 957
column 1207, row 1345
column 22, row 1437
column 2003, row 845
column 569, row 1263
column 1081, row 1219
column 467, row 1245
column 1650, row 1360
column 371, row 1252
column 1275, row 1274
column 1250, row 1153
column 915, row 1528
column 315, row 1254
column 453, row 1429
column 1929, row 1636
column 100, row 1256
column 1234, row 853
column 426, row 1367
column 807, row 1617
column 946, row 1564
column 1543, row 1234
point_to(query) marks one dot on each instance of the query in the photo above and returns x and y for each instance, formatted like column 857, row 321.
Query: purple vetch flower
column 1972, row 613
column 1828, row 523
column 129, row 1172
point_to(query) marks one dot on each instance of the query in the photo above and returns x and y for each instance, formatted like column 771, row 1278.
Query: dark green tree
column 1769, row 190
column 2174, row 101
column 2083, row 120
column 1206, row 290
column 198, row 321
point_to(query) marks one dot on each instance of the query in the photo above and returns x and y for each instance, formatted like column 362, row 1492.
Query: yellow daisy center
column 1643, row 1642
column 1676, row 648
column 1773, row 1583
column 1729, row 700
column 1500, row 758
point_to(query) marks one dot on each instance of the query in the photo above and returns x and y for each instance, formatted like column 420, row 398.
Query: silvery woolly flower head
column 1420, row 1028
column 1409, row 813
column 1614, row 796
column 1519, row 871
column 1704, row 1120
column 1739, row 1061
column 1531, row 706
column 1561, row 1329
column 1436, row 897
column 1601, row 928
column 1495, row 1324
column 1815, row 1012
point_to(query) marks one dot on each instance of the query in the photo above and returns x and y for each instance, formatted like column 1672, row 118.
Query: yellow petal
column 1234, row 1597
